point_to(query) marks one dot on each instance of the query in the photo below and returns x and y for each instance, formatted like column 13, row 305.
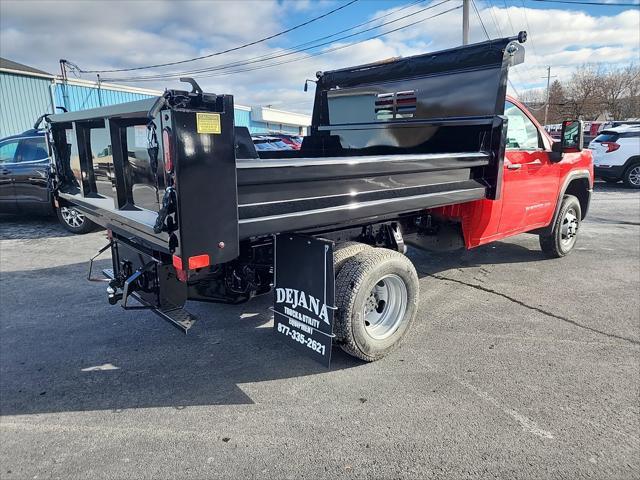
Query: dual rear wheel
column 377, row 298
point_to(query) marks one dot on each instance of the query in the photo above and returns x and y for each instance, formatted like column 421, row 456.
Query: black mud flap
column 304, row 294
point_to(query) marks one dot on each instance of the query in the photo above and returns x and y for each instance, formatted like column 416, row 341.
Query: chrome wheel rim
column 385, row 307
column 634, row 176
column 569, row 228
column 72, row 217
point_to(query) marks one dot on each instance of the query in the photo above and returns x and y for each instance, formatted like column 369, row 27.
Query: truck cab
column 535, row 179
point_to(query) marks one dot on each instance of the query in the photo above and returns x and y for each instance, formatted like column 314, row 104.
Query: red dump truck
column 425, row 150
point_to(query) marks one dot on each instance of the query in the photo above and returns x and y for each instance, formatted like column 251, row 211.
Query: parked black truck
column 409, row 150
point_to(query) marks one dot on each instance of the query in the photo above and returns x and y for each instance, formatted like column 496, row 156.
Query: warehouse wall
column 243, row 118
column 22, row 100
column 80, row 97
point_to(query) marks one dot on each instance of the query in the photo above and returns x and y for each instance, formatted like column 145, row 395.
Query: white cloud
column 100, row 35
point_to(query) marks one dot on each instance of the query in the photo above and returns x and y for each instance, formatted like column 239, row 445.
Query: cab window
column 32, row 149
column 522, row 134
column 8, row 151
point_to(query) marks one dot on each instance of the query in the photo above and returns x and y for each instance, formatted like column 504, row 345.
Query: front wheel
column 73, row 220
column 563, row 236
column 377, row 299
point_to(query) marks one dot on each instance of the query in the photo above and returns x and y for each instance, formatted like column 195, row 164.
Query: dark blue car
column 24, row 181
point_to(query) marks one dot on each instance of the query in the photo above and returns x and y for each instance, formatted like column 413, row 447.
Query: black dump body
column 386, row 140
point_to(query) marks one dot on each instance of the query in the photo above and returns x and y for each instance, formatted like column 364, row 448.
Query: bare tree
column 613, row 88
column 583, row 98
column 631, row 104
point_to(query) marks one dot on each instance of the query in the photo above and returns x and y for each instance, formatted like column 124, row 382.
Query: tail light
column 611, row 146
column 168, row 150
column 193, row 263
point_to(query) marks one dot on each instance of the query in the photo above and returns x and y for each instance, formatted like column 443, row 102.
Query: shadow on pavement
column 619, row 187
column 63, row 348
column 495, row 253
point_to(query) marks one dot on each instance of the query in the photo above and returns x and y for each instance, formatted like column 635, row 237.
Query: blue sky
column 125, row 34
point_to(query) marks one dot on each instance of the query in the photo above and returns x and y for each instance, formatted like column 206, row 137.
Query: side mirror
column 571, row 139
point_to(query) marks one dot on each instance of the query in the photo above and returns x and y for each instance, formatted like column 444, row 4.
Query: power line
column 316, row 54
column 506, row 9
column 494, row 18
column 475, row 7
column 489, row 38
column 602, row 4
column 289, row 52
column 239, row 47
column 526, row 19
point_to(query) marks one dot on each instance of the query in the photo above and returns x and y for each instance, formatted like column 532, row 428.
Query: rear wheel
column 565, row 229
column 344, row 251
column 631, row 176
column 74, row 220
column 377, row 298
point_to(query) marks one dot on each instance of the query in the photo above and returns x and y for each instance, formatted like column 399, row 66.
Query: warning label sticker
column 208, row 123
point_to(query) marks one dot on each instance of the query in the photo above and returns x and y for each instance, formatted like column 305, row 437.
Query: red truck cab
column 535, row 182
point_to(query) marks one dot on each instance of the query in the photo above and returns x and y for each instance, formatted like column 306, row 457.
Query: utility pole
column 546, row 105
column 99, row 95
column 465, row 22
column 65, row 93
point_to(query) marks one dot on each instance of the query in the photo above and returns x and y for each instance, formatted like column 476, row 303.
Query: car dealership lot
column 518, row 366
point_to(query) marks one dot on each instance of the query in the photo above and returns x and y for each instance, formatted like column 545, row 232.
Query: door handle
column 514, row 166
column 535, row 162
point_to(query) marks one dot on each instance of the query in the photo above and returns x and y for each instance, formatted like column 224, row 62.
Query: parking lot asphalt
column 517, row 367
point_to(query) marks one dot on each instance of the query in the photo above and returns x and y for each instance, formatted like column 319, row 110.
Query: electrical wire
column 600, row 4
column 506, row 9
column 495, row 18
column 290, row 52
column 475, row 7
column 324, row 52
column 233, row 49
column 530, row 36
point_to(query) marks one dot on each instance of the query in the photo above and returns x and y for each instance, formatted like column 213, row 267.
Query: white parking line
column 527, row 424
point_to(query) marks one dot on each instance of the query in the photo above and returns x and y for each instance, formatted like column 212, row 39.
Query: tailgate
column 159, row 171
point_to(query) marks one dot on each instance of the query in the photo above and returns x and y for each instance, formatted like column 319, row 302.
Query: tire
column 344, row 251
column 565, row 229
column 631, row 177
column 366, row 329
column 73, row 220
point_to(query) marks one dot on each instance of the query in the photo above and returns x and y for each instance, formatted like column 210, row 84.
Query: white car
column 616, row 155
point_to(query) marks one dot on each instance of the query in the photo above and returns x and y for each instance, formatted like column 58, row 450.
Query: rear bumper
column 613, row 172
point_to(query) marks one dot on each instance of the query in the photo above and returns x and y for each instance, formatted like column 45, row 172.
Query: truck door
column 30, row 174
column 7, row 163
column 530, row 180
